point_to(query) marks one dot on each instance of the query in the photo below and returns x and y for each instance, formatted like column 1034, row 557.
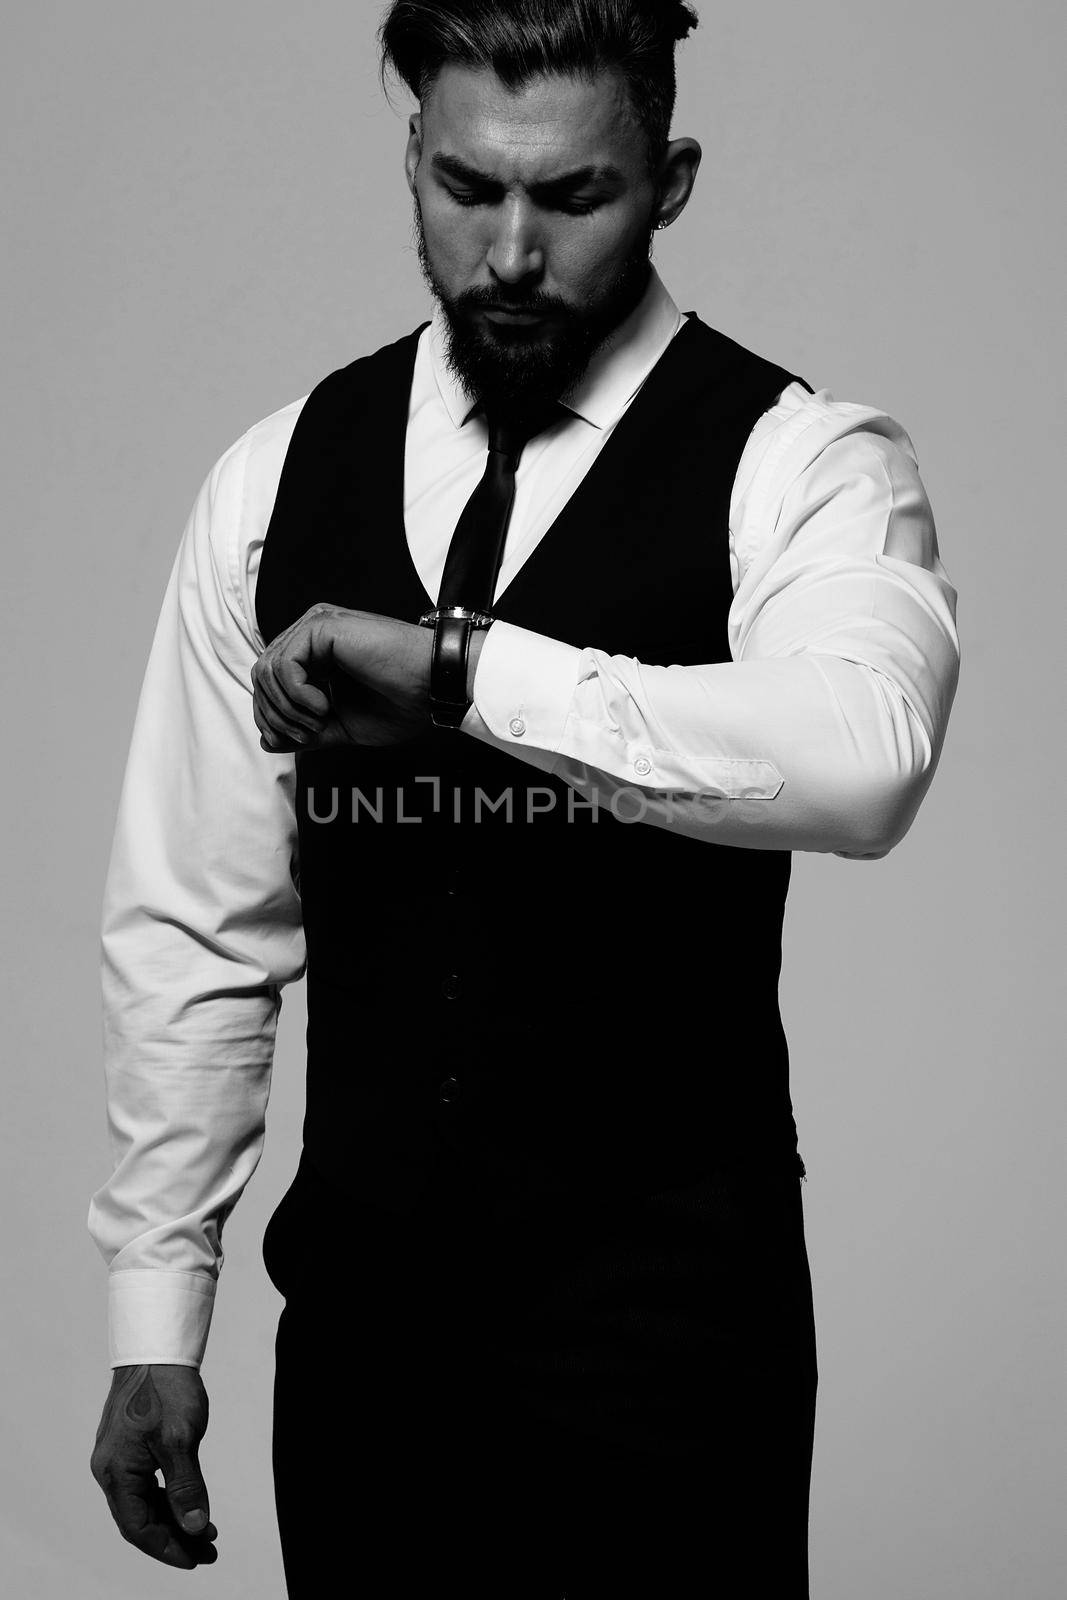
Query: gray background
column 206, row 213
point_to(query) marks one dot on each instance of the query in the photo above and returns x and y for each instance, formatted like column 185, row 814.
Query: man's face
column 536, row 202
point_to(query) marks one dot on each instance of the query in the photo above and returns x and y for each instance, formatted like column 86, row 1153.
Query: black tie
column 477, row 544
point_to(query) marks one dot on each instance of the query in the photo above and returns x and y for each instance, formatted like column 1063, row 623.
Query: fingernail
column 194, row 1521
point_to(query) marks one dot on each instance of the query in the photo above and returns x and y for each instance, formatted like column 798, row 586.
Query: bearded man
column 495, row 684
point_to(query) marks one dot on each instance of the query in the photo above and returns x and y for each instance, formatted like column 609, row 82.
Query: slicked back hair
column 525, row 39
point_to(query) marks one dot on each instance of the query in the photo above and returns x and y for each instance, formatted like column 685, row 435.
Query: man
column 498, row 680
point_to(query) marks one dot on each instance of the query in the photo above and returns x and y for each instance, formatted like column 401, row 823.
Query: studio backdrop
column 205, row 213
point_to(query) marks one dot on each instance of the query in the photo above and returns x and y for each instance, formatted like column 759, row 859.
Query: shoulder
column 247, row 473
column 799, row 426
column 252, row 465
column 802, row 431
column 219, row 551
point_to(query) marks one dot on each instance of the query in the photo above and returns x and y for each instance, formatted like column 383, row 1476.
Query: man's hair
column 527, row 38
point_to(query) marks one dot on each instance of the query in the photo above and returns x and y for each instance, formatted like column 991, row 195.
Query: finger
column 136, row 1510
column 196, row 1547
column 275, row 699
column 297, row 662
column 282, row 744
column 291, row 676
column 277, row 734
column 185, row 1488
column 281, row 722
column 282, row 747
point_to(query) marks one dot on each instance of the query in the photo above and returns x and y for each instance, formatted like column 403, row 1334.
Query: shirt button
column 517, row 727
column 642, row 766
column 448, row 1091
column 452, row 988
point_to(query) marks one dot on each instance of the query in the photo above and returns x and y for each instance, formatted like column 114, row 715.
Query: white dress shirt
column 821, row 733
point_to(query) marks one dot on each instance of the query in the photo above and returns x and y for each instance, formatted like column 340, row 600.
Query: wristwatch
column 452, row 628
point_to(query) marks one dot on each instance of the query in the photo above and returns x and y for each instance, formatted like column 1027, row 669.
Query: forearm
column 814, row 753
column 823, row 728
column 190, row 1003
column 186, row 1108
column 810, row 751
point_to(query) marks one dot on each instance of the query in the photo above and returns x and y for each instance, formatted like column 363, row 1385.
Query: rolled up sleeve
column 824, row 729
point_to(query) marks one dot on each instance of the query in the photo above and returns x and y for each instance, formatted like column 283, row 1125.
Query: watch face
column 478, row 619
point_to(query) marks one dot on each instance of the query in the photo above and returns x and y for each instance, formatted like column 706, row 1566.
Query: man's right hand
column 155, row 1417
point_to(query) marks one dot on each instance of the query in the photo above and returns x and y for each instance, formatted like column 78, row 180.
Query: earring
column 663, row 223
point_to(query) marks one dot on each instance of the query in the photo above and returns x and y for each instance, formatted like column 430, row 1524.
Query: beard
column 516, row 368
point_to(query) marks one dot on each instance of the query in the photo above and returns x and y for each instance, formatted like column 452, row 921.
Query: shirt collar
column 614, row 374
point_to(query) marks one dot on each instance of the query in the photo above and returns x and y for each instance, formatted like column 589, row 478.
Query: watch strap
column 452, row 628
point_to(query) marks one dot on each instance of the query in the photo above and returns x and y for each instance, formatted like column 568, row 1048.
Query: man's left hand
column 338, row 677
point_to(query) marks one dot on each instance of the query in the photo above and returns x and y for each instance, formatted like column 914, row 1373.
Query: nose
column 515, row 251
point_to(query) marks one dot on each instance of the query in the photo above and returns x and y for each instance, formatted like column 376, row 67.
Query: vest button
column 448, row 1091
column 452, row 988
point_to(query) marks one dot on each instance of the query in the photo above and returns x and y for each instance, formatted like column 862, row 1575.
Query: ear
column 677, row 174
column 414, row 148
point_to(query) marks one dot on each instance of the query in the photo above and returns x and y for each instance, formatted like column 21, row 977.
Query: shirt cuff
column 523, row 688
column 158, row 1317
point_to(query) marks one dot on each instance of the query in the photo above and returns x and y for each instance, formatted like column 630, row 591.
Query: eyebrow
column 454, row 167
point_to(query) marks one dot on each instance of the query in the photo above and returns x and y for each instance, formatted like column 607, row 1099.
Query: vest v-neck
column 588, row 489
column 635, row 562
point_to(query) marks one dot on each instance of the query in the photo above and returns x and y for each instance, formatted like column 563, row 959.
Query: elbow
column 887, row 773
column 879, row 810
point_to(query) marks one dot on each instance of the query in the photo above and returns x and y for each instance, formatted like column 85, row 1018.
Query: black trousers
column 477, row 1401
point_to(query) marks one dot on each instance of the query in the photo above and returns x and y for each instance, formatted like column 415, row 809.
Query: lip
column 515, row 318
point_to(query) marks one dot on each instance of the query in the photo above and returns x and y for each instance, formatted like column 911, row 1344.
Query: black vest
column 602, row 991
